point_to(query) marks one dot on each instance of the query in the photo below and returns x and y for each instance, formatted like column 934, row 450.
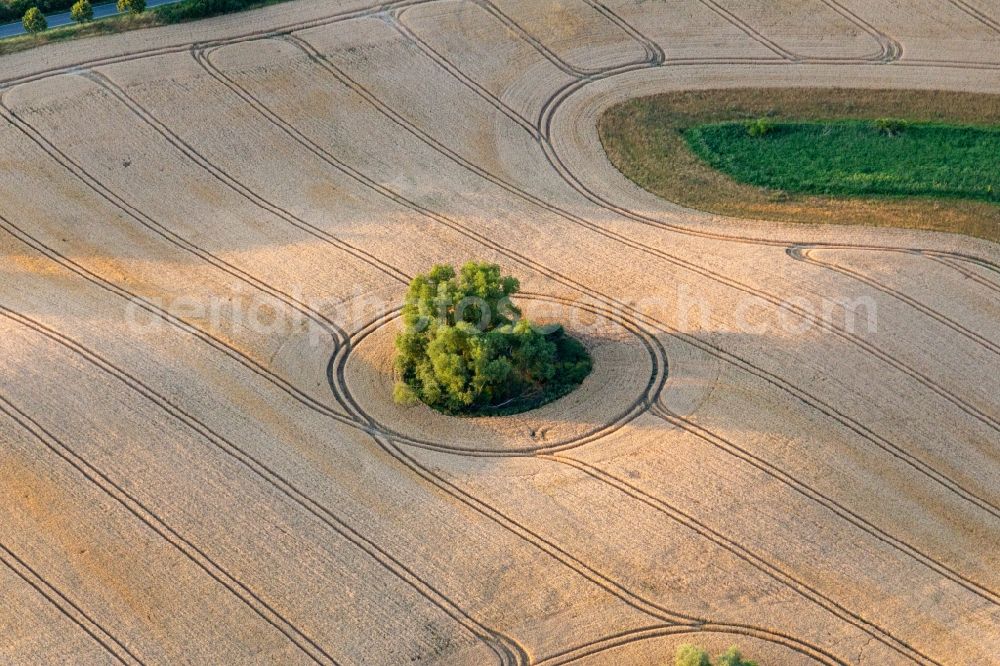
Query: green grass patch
column 647, row 140
column 857, row 158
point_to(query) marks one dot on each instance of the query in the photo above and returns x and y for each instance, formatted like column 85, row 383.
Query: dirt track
column 183, row 484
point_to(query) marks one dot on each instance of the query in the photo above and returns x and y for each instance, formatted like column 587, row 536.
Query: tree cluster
column 692, row 655
column 466, row 349
column 11, row 9
column 131, row 6
column 81, row 11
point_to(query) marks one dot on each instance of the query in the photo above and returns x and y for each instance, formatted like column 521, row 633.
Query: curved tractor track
column 860, row 478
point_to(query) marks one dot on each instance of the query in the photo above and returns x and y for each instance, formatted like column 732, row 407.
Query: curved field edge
column 644, row 139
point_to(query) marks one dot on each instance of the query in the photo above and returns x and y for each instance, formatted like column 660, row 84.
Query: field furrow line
column 140, row 54
column 256, row 467
column 596, row 577
column 854, row 425
column 501, row 106
column 440, row 472
column 631, row 599
column 747, row 29
column 860, row 429
column 810, row 492
column 238, row 186
column 328, row 325
column 853, row 339
column 769, row 569
column 550, row 55
column 977, row 15
column 434, row 144
column 804, row 255
column 978, row 279
column 517, row 28
column 891, row 51
column 653, row 50
column 212, row 341
column 151, row 520
column 605, row 643
column 113, row 646
column 657, row 355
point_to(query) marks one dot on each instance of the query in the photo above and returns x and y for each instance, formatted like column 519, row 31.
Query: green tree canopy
column 34, row 21
column 732, row 657
column 132, row 6
column 692, row 655
column 82, row 11
column 466, row 349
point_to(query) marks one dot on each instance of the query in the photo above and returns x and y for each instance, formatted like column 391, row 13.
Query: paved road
column 56, row 20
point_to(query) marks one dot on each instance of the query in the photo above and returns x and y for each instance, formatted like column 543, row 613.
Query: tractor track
column 892, row 49
column 816, row 496
column 343, row 351
column 160, row 230
column 621, row 639
column 889, row 48
column 769, row 569
column 558, row 61
column 857, row 427
column 804, row 255
column 314, row 55
column 519, row 530
column 640, row 405
column 561, row 168
column 276, row 119
column 400, row 4
column 234, row 184
column 58, row 600
column 977, row 15
column 780, row 576
column 629, row 598
column 653, row 50
column 393, row 116
column 595, row 577
column 150, row 519
column 602, row 581
column 971, row 275
column 140, row 54
column 345, row 79
column 494, row 101
column 214, row 342
column 257, row 468
column 747, row 29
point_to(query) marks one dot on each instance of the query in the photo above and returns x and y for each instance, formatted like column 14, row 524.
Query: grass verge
column 106, row 26
column 645, row 139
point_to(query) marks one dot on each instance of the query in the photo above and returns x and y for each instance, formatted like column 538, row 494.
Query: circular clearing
column 629, row 368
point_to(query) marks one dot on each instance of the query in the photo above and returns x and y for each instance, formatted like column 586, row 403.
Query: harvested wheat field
column 790, row 440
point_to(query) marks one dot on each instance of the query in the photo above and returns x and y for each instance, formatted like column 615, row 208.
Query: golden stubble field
column 790, row 442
